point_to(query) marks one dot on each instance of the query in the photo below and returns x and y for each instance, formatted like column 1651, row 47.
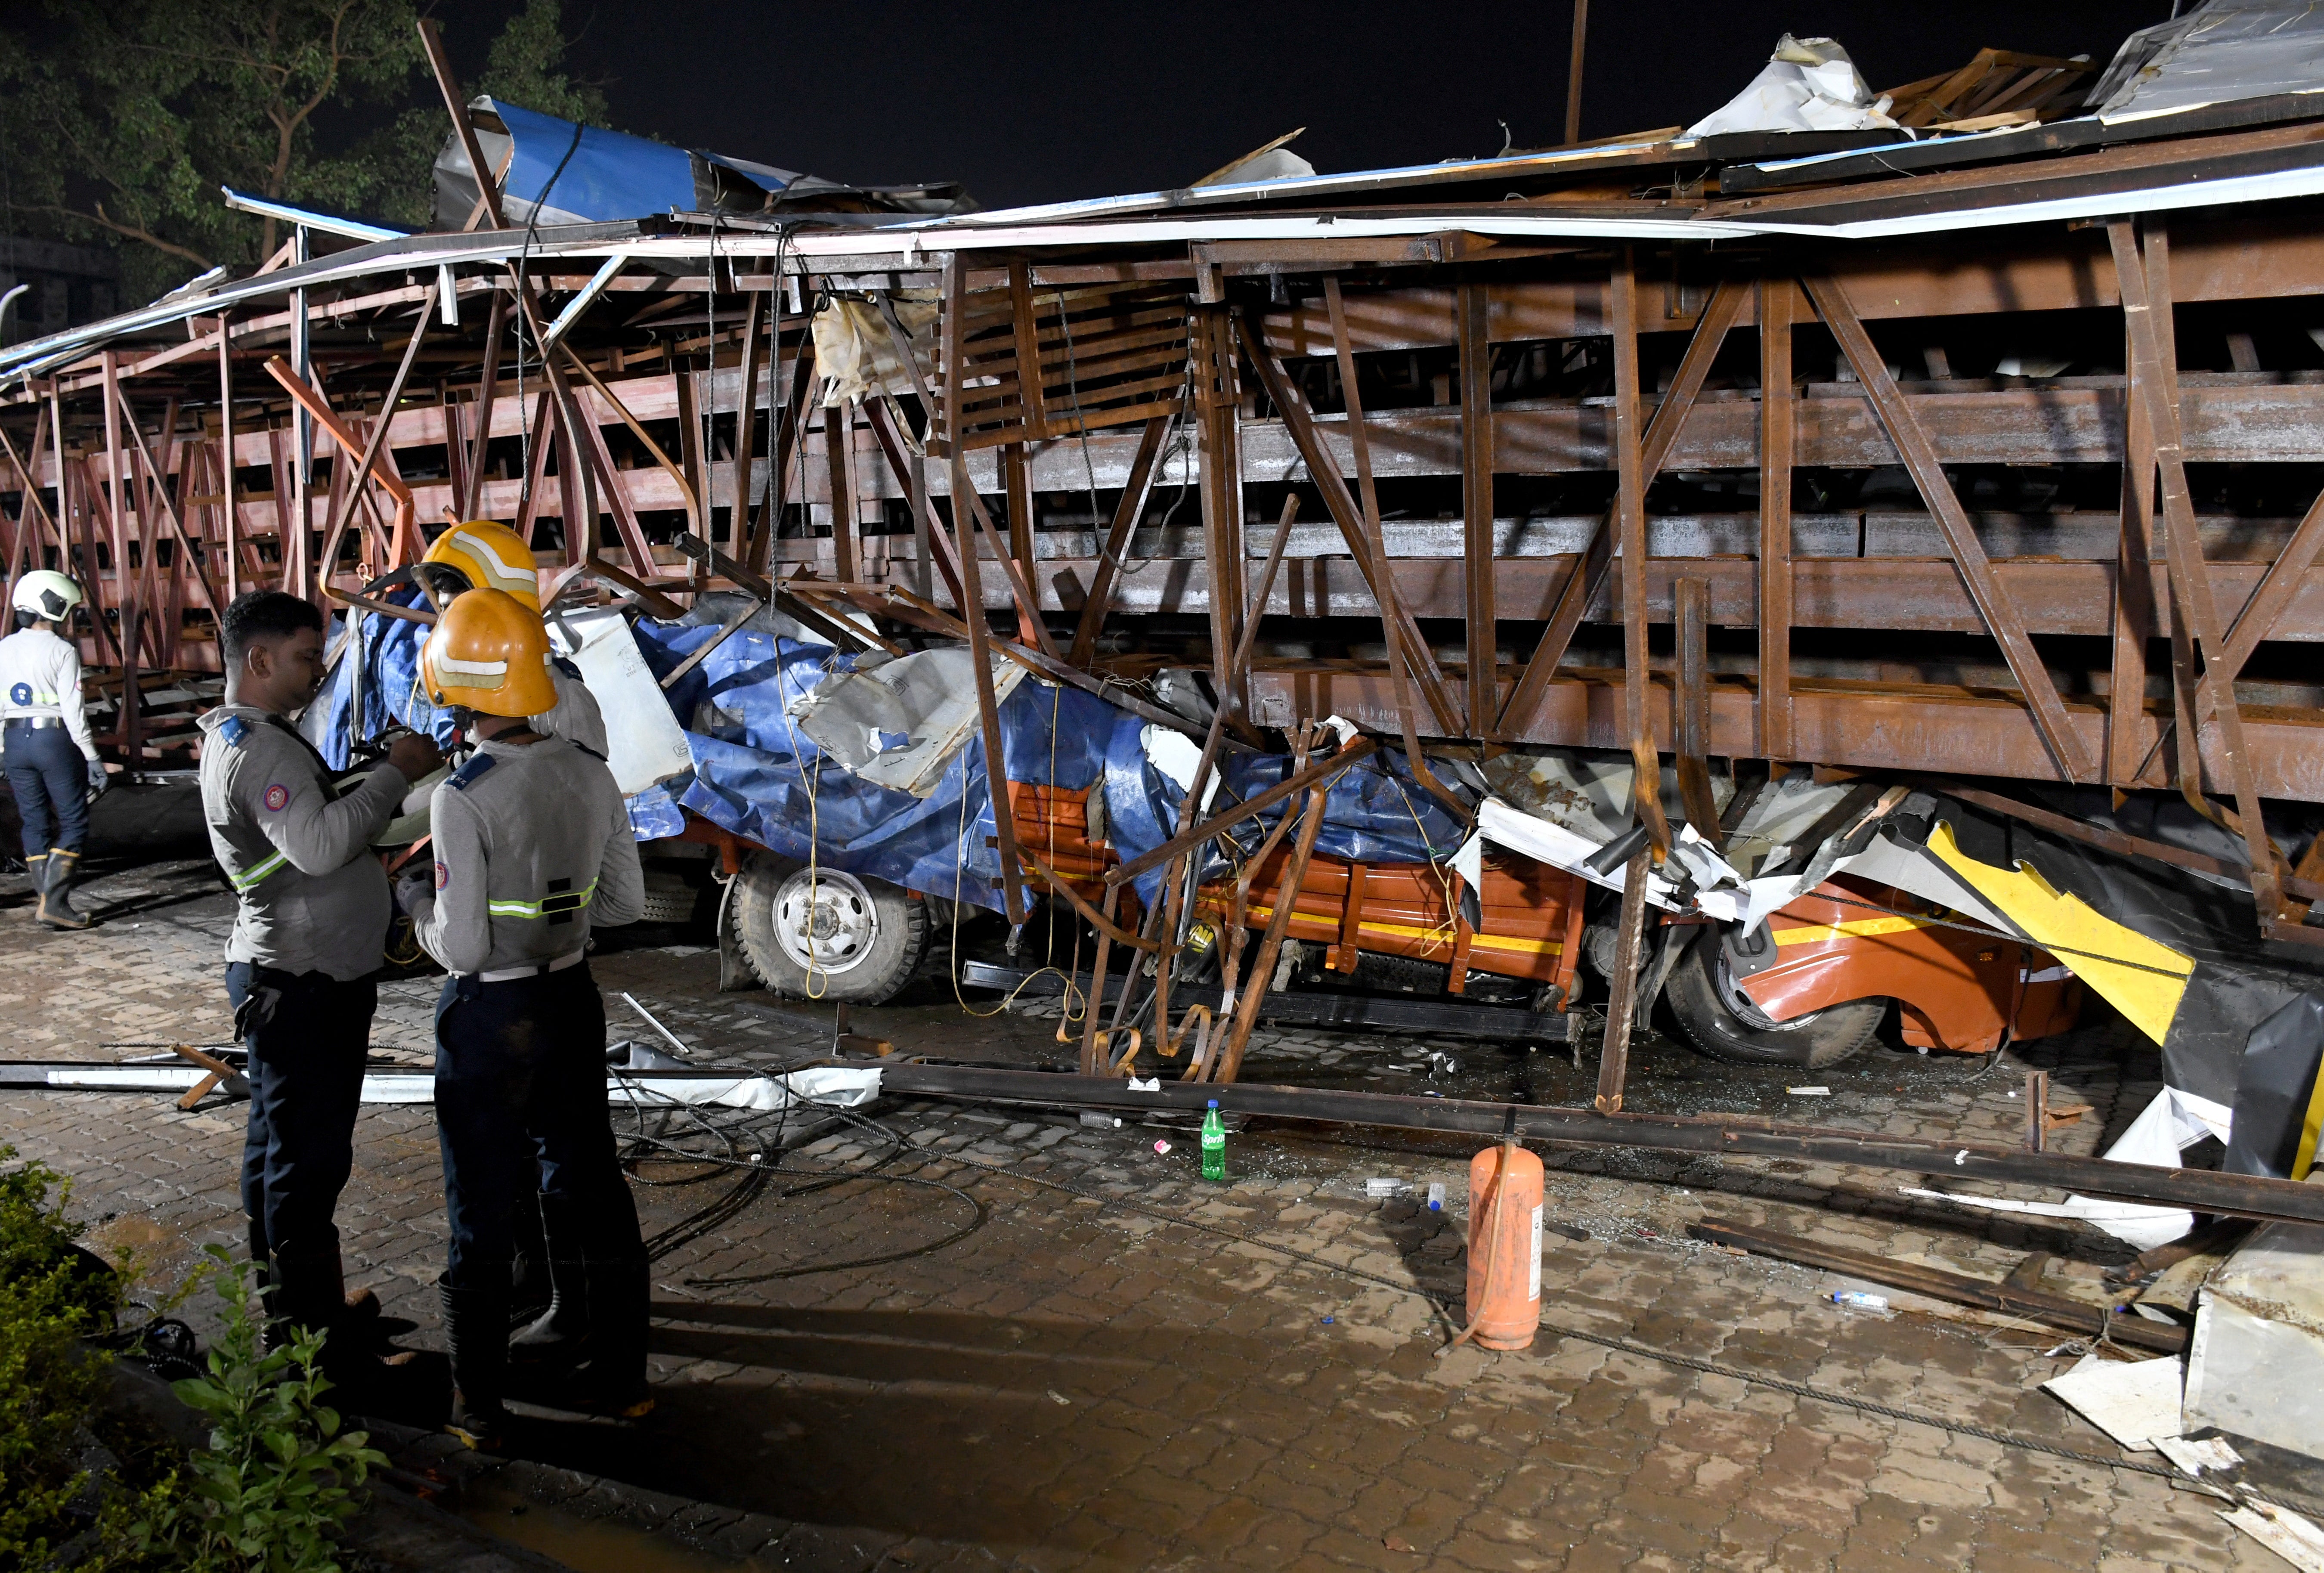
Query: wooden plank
column 1993, row 602
column 1016, row 484
column 1778, row 301
column 1476, row 366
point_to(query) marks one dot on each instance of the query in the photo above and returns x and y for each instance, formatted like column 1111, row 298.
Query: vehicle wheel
column 1720, row 1019
column 669, row 898
column 825, row 935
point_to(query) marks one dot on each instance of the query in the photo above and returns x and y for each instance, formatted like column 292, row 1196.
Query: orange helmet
column 489, row 653
column 489, row 557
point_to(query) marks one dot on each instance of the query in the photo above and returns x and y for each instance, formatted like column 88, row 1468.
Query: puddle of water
column 584, row 1545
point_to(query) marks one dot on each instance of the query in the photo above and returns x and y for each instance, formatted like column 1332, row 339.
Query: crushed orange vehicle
column 1808, row 988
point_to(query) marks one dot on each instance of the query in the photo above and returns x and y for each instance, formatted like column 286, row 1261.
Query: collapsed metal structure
column 1991, row 455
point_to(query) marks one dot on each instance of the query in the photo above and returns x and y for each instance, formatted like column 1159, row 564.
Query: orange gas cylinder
column 1504, row 1247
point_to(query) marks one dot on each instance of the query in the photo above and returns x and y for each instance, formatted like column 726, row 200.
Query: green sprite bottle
column 1214, row 1145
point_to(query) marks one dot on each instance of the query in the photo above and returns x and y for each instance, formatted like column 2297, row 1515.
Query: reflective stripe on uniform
column 562, row 902
column 252, row 875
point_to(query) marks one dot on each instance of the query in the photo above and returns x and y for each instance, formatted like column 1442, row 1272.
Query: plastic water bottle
column 1856, row 1299
column 1214, row 1145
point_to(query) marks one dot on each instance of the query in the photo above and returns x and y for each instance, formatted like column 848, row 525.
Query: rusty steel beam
column 1720, row 1136
column 1939, row 728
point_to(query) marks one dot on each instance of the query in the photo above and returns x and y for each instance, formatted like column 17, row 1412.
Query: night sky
column 1031, row 102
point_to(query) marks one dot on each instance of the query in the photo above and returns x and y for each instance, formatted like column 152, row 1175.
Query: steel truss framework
column 1521, row 461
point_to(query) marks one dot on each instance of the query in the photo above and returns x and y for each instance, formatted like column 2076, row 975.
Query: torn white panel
column 1585, row 790
column 1546, row 841
column 644, row 743
column 2219, row 53
column 1177, row 756
column 2257, row 1377
column 2193, row 1458
column 839, row 1087
column 832, row 1086
column 1807, row 84
column 2294, row 1539
column 899, row 723
column 2133, row 1401
column 2169, row 1124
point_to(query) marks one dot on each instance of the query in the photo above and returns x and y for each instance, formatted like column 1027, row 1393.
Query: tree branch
column 129, row 230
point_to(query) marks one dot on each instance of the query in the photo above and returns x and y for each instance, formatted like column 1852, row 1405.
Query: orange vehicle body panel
column 1532, row 913
column 1957, row 991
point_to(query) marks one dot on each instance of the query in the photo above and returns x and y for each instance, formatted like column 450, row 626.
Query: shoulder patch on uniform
column 233, row 729
column 461, row 779
column 277, row 796
column 565, row 666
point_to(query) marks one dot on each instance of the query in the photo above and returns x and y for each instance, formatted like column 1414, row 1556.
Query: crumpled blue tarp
column 654, row 815
column 758, row 776
column 389, row 662
column 1374, row 811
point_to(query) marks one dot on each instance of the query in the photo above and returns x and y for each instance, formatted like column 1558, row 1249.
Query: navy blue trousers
column 50, row 779
column 521, row 1110
column 307, row 1035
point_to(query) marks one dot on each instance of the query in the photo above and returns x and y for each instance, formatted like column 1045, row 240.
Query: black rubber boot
column 612, row 1378
column 532, row 1284
column 36, row 869
column 557, row 1340
column 475, row 1326
column 56, row 910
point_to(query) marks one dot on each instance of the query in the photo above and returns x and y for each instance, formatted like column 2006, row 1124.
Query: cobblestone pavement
column 1086, row 1379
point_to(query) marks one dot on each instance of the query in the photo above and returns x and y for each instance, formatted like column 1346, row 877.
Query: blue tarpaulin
column 609, row 175
column 757, row 775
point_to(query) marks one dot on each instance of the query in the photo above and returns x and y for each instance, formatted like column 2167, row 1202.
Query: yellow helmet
column 489, row 557
column 489, row 653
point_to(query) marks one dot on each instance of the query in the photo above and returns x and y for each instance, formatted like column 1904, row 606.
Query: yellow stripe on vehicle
column 1858, row 928
column 2091, row 941
column 1412, row 931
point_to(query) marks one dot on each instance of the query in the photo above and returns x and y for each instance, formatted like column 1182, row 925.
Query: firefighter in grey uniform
column 313, row 906
column 532, row 848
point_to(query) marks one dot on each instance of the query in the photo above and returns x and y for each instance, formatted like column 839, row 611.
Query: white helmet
column 46, row 593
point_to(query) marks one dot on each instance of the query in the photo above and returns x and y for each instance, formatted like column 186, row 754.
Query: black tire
column 1713, row 1025
column 669, row 898
column 879, row 934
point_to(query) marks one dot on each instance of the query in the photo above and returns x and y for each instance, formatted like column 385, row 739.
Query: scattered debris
column 2133, row 1402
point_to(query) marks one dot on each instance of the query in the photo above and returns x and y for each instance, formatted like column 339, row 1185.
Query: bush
column 269, row 1494
column 276, row 1482
column 50, row 1381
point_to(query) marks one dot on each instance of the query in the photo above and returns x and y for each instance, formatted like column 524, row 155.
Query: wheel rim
column 826, row 920
column 1747, row 1010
